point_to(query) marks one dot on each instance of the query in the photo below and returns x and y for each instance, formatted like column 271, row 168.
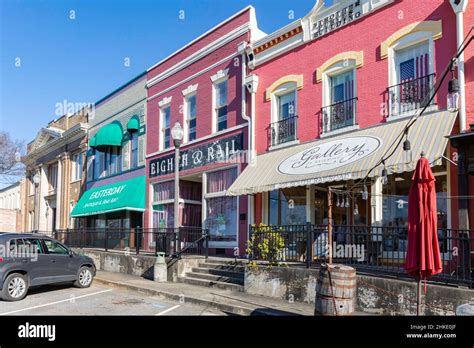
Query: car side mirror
column 71, row 253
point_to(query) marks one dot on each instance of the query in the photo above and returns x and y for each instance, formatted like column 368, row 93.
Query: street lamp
column 36, row 181
column 177, row 133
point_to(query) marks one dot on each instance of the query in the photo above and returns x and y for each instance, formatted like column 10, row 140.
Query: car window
column 34, row 243
column 55, row 247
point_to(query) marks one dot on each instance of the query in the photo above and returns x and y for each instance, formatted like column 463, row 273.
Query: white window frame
column 220, row 76
column 162, row 124
column 74, row 172
column 186, row 115
column 407, row 41
column 288, row 87
column 338, row 68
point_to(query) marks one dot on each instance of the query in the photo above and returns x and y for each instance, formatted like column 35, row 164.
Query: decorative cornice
column 164, row 101
column 74, row 133
column 190, row 89
column 223, row 40
column 435, row 27
column 280, row 38
column 357, row 56
column 220, row 75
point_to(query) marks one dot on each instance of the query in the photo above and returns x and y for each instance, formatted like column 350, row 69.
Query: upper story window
column 284, row 109
column 338, row 75
column 52, row 177
column 165, row 127
column 221, row 92
column 107, row 161
column 410, row 53
column 133, row 149
column 76, row 170
column 190, row 122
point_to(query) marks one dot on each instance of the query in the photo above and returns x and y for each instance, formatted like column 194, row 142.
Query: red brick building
column 336, row 91
column 201, row 87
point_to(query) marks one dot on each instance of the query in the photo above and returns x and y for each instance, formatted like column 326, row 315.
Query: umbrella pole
column 418, row 305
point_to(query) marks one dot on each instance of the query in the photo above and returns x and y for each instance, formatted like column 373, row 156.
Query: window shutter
column 141, row 151
column 126, row 155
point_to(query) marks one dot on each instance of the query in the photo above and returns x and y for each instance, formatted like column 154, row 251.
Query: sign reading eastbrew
column 337, row 19
column 221, row 150
column 330, row 155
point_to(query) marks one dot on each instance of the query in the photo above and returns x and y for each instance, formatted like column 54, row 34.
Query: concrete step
column 219, row 272
column 227, row 261
column 211, row 284
column 215, row 278
column 222, row 266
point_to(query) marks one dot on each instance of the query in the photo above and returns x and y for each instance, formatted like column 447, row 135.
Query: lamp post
column 36, row 181
column 177, row 133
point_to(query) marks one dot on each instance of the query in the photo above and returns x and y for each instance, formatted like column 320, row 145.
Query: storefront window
column 221, row 210
column 287, row 206
column 395, row 207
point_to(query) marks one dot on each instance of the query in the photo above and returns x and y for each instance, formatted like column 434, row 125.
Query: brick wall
column 365, row 34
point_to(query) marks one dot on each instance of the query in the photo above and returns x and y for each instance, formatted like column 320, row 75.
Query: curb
column 238, row 310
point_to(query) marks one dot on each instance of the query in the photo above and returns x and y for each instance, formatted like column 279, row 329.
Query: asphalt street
column 98, row 300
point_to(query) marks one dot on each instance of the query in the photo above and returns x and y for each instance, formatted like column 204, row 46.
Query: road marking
column 53, row 303
column 168, row 310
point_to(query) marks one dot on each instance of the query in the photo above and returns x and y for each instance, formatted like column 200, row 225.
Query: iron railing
column 372, row 249
column 339, row 115
column 410, row 94
column 284, row 131
column 184, row 240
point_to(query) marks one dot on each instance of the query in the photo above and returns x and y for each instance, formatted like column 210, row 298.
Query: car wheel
column 84, row 278
column 15, row 287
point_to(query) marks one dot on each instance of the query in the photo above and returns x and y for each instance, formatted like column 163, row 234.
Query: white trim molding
column 189, row 90
column 206, row 50
column 221, row 74
column 165, row 101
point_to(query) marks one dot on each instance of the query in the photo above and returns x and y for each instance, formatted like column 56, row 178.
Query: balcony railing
column 283, row 131
column 410, row 94
column 339, row 115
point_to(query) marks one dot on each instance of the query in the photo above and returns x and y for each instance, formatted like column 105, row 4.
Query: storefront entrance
column 203, row 204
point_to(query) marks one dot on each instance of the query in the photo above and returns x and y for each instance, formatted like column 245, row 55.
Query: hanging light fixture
column 347, row 202
column 337, row 203
column 453, row 91
column 407, row 154
column 356, row 208
column 384, row 177
column 365, row 193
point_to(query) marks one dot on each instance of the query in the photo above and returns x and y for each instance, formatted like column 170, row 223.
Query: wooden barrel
column 328, row 307
column 343, row 290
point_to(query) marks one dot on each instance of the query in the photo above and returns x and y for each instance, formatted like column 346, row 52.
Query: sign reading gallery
column 222, row 150
column 330, row 155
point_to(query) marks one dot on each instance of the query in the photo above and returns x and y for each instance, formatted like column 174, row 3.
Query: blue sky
column 50, row 54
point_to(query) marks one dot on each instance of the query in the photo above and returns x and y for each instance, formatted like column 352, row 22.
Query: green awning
column 109, row 135
column 133, row 123
column 92, row 142
column 125, row 195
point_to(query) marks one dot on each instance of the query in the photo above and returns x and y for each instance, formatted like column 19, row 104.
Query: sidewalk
column 227, row 301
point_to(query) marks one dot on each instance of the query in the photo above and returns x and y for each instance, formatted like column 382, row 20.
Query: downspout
column 250, row 123
column 459, row 6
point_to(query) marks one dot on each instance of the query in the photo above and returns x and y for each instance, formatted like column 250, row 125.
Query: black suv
column 28, row 259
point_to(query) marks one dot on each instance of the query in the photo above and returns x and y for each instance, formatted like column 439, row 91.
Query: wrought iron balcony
column 339, row 115
column 410, row 95
column 283, row 131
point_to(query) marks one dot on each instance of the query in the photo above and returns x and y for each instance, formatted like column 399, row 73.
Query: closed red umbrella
column 423, row 258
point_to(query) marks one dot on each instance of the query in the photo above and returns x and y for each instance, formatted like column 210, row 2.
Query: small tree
column 10, row 158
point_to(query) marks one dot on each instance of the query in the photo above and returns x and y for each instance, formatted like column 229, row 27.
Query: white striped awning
column 347, row 156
